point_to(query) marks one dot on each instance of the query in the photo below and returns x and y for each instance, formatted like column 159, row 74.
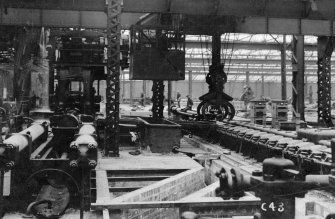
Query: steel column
column 216, row 50
column 157, row 98
column 113, row 78
column 283, row 69
column 131, row 97
column 190, row 81
column 144, row 88
column 216, row 63
column 325, row 50
column 247, row 78
column 298, row 74
column 262, row 91
column 169, row 97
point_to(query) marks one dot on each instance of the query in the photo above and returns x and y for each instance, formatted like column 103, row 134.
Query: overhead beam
column 246, row 61
column 62, row 18
column 236, row 45
column 240, row 72
column 263, row 25
column 97, row 20
column 243, row 8
column 251, row 70
column 273, row 8
column 77, row 5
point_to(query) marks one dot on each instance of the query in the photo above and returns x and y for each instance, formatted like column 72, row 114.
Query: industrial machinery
column 80, row 66
column 58, row 164
column 216, row 103
column 259, row 143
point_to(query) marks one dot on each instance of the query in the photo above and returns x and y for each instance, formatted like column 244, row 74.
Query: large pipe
column 21, row 141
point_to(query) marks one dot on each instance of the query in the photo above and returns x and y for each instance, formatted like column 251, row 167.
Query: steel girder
column 298, row 74
column 325, row 50
column 157, row 98
column 113, row 78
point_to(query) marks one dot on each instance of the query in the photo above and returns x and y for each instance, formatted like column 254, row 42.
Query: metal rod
column 169, row 97
column 82, row 194
column 283, row 69
column 2, row 173
column 218, row 202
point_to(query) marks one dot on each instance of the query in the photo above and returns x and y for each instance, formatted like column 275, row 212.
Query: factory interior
column 167, row 109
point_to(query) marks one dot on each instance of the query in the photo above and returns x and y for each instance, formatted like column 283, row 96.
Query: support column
column 123, row 85
column 190, row 81
column 262, row 91
column 306, row 86
column 325, row 50
column 144, row 89
column 216, row 50
column 131, row 98
column 217, row 74
column 158, row 85
column 283, row 69
column 113, row 78
column 169, row 97
column 157, row 98
column 247, row 78
column 298, row 71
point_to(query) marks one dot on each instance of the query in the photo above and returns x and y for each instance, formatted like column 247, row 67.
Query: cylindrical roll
column 20, row 141
column 87, row 130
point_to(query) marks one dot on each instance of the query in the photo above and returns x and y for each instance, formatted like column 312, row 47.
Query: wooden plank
column 103, row 194
column 204, row 202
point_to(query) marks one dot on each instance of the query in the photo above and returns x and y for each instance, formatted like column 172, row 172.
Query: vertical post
column 87, row 80
column 301, row 77
column 157, row 99
column 283, row 69
column 123, row 85
column 169, row 97
column 247, row 78
column 82, row 194
column 216, row 71
column 325, row 49
column 113, row 77
column 144, row 89
column 2, row 176
column 190, row 81
column 216, row 49
column 298, row 72
column 306, row 86
column 262, row 90
column 131, row 92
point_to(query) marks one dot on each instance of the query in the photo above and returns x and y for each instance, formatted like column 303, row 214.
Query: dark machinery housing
column 57, row 164
column 80, row 65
